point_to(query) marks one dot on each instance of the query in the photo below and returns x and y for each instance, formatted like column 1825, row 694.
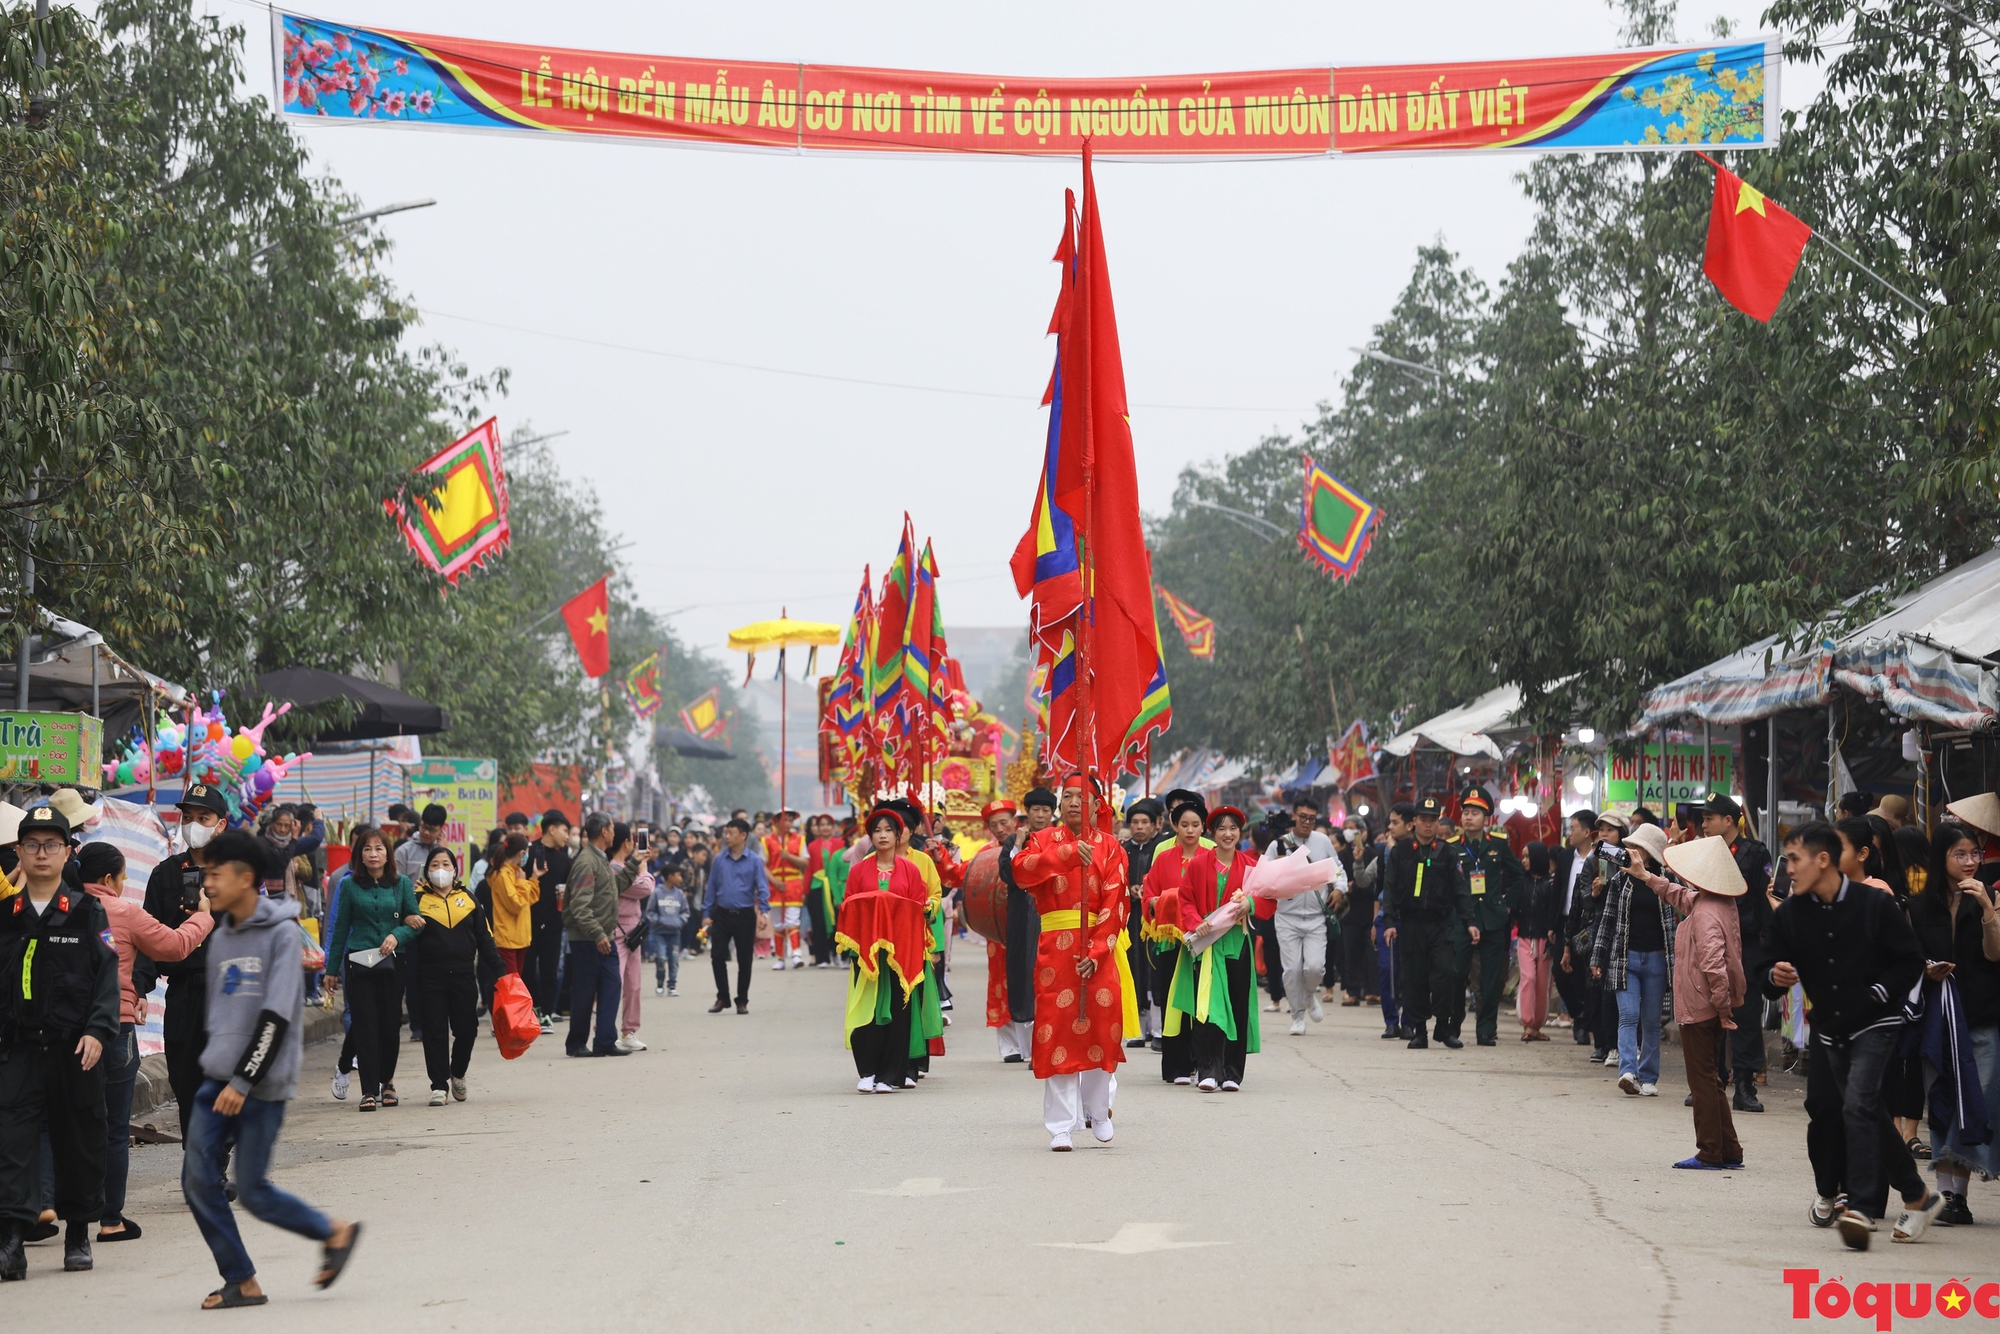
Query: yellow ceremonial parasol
column 782, row 634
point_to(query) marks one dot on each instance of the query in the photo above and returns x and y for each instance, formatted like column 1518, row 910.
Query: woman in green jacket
column 374, row 902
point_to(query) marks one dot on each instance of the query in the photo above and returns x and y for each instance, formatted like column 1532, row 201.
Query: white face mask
column 198, row 835
column 441, row 876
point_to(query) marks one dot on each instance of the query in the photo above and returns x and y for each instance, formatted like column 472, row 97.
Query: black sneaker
column 1954, row 1213
column 1419, row 1042
column 1489, row 1042
column 1451, row 1041
column 1391, row 1033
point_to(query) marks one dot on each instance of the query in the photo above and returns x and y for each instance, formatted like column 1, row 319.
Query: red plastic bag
column 514, row 1024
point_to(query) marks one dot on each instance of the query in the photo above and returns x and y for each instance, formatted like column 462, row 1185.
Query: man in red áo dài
column 1077, row 879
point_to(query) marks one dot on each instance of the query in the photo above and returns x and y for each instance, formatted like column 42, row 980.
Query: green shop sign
column 51, row 748
column 1667, row 782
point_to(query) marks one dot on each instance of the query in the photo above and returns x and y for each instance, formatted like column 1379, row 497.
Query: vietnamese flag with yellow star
column 588, row 616
column 1753, row 245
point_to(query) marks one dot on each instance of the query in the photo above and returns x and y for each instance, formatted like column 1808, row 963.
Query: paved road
column 731, row 1179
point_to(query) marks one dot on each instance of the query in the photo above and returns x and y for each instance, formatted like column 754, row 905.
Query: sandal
column 333, row 1259
column 231, row 1294
column 368, row 1104
column 1919, row 1150
column 389, row 1098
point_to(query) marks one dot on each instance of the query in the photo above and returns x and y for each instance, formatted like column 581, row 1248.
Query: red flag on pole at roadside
column 1753, row 245
column 588, row 616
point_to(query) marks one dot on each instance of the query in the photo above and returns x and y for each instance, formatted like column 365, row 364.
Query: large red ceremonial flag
column 1121, row 665
column 1753, row 246
column 588, row 616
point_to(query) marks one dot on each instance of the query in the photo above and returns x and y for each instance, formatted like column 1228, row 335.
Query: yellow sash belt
column 1071, row 919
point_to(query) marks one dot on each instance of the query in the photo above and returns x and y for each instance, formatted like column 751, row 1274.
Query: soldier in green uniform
column 1425, row 904
column 1493, row 878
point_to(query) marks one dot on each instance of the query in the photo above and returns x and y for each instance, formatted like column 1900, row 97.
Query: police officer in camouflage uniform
column 1424, row 905
column 1493, row 878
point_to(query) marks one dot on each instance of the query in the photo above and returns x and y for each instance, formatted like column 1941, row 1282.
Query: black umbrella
column 384, row 712
column 683, row 742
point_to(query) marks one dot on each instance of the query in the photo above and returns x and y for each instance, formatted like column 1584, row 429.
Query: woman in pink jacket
column 631, row 965
column 1701, row 884
column 99, row 869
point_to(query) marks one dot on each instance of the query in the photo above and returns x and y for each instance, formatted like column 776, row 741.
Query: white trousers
column 1068, row 1099
column 1302, row 952
column 1015, row 1039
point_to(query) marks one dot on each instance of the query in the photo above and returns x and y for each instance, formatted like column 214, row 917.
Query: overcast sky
column 1240, row 287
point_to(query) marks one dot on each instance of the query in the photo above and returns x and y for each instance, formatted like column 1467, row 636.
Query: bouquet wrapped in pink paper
column 1288, row 877
column 1216, row 925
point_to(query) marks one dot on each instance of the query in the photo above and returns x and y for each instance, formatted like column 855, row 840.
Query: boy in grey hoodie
column 250, row 1067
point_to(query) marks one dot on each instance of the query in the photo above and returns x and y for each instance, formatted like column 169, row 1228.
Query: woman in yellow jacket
column 514, row 892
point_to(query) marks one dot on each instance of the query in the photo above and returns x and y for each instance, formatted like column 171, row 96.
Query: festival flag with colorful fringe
column 1089, row 475
column 464, row 521
column 703, row 716
column 642, row 686
column 1197, row 630
column 1335, row 524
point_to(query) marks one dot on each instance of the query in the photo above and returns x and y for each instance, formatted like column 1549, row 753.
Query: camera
column 1613, row 856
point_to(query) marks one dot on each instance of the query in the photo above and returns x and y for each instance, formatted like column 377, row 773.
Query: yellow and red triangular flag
column 1197, row 630
column 1753, row 245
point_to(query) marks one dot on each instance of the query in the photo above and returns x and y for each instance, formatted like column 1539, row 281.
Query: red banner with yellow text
column 339, row 73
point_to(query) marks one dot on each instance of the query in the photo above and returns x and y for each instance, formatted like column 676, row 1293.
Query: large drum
column 984, row 895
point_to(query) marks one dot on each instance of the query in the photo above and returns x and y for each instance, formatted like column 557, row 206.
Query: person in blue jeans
column 250, row 1069
column 1633, row 957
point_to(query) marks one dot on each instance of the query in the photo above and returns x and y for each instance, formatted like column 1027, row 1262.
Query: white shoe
column 1101, row 1129
column 1630, row 1083
column 778, row 966
column 866, row 1084
column 1206, row 1086
column 673, row 992
column 1313, row 1008
column 1649, row 1090
column 1298, row 1025
column 630, row 1042
column 340, row 1086
column 1611, row 1060
column 659, row 991
column 880, row 1087
column 1060, row 1143
column 798, row 961
column 439, row 1097
column 909, row 1082
column 1913, row 1223
column 1231, row 1086
column 1183, row 1079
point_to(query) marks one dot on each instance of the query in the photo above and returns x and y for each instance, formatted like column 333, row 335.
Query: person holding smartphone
column 1958, row 923
column 173, row 896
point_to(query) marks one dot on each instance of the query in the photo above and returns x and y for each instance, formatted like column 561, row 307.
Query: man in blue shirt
column 738, row 902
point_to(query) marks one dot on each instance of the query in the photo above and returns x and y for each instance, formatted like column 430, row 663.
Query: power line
column 811, row 375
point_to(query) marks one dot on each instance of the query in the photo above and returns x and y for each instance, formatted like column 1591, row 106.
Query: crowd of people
column 1871, row 949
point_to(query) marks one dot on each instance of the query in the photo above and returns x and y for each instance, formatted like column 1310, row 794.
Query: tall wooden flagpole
column 1086, row 719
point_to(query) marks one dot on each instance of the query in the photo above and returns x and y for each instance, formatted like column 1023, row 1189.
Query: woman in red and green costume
column 1215, row 989
column 883, row 928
